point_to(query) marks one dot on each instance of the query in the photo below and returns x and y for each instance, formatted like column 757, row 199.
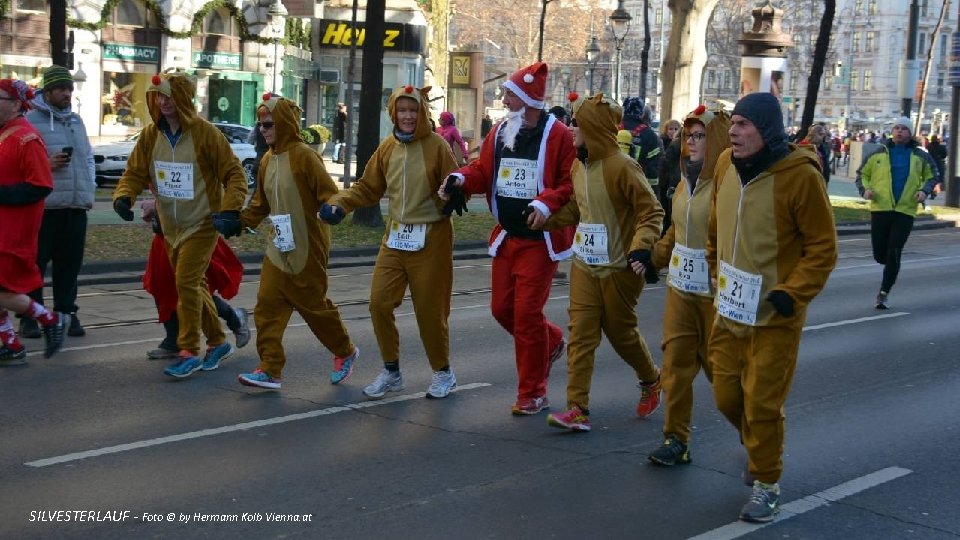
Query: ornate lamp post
column 619, row 26
column 277, row 17
column 593, row 50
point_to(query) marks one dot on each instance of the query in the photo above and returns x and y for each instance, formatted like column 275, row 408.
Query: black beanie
column 763, row 109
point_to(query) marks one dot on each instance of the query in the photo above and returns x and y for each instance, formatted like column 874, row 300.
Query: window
column 858, row 7
column 728, row 80
column 922, row 44
column 923, row 8
column 32, row 5
column 134, row 13
column 943, row 46
column 793, row 82
column 868, row 79
column 220, row 22
column 870, row 44
column 854, row 80
column 658, row 16
column 940, row 86
column 872, row 7
column 711, row 79
column 855, row 42
column 827, row 82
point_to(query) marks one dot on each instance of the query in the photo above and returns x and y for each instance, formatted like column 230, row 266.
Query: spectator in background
column 339, row 132
column 637, row 118
column 669, row 168
column 63, row 232
column 817, row 138
column 938, row 152
column 485, row 125
column 448, row 130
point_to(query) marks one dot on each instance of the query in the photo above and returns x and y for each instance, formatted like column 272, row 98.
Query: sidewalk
column 97, row 273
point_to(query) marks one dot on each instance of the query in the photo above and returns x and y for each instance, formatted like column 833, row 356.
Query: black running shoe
column 10, row 357
column 881, row 301
column 75, row 329
column 29, row 328
column 53, row 335
column 670, row 453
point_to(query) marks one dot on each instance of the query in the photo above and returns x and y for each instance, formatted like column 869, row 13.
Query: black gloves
column 122, row 207
column 643, row 257
column 227, row 223
column 782, row 302
column 458, row 200
column 331, row 216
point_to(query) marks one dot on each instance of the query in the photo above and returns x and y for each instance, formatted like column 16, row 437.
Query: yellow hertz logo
column 674, row 261
column 577, row 238
column 394, row 226
column 505, row 172
column 722, row 282
column 162, row 175
column 342, row 35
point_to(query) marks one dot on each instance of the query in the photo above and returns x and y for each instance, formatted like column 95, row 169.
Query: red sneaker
column 649, row 398
column 573, row 419
column 525, row 406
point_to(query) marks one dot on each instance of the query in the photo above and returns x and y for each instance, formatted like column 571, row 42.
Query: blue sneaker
column 442, row 383
column 260, row 379
column 215, row 354
column 184, row 367
column 343, row 366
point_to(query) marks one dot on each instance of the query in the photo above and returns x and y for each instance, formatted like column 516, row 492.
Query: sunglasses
column 265, row 125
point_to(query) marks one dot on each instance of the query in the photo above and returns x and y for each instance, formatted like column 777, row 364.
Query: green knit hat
column 56, row 76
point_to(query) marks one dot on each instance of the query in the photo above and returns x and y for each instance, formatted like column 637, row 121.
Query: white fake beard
column 511, row 126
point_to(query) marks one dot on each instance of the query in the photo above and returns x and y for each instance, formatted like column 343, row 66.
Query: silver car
column 110, row 159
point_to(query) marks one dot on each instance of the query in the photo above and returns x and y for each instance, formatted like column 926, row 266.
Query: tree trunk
column 927, row 66
column 685, row 57
column 816, row 71
column 371, row 74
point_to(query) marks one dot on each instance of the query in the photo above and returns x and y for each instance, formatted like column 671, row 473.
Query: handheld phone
column 68, row 150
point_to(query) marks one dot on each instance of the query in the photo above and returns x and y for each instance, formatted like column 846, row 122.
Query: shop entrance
column 232, row 101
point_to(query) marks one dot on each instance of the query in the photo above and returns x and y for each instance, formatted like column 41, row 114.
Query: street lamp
column 593, row 50
column 277, row 16
column 619, row 26
column 79, row 77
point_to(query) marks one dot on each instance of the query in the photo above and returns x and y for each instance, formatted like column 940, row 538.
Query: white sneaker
column 441, row 384
column 386, row 381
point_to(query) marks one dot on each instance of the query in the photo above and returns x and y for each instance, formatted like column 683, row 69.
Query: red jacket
column 554, row 163
column 23, row 158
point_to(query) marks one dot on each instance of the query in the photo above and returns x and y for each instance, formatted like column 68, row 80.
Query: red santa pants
column 522, row 276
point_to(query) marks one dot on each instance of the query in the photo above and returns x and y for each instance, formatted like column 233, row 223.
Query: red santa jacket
column 554, row 161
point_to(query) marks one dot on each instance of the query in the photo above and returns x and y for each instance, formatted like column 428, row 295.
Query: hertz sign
column 396, row 37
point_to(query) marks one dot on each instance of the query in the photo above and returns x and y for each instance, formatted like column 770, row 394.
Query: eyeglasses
column 265, row 125
column 696, row 137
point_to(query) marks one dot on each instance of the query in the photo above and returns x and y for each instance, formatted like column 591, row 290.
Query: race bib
column 738, row 294
column 517, row 178
column 174, row 180
column 283, row 233
column 407, row 236
column 590, row 243
column 688, row 270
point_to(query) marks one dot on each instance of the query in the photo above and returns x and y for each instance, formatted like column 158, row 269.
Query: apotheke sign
column 216, row 60
column 135, row 53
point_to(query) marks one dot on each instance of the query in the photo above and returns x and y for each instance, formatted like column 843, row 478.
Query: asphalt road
column 870, row 449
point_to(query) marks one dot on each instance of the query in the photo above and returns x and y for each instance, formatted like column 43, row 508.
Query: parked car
column 110, row 159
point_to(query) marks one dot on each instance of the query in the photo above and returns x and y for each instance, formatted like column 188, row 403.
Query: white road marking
column 808, row 503
column 855, row 321
column 67, row 458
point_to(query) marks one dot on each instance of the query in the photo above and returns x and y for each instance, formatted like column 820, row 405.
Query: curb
column 131, row 271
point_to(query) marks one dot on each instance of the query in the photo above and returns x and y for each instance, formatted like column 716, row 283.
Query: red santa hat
column 529, row 84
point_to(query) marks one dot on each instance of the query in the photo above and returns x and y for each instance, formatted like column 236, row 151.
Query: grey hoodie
column 73, row 185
